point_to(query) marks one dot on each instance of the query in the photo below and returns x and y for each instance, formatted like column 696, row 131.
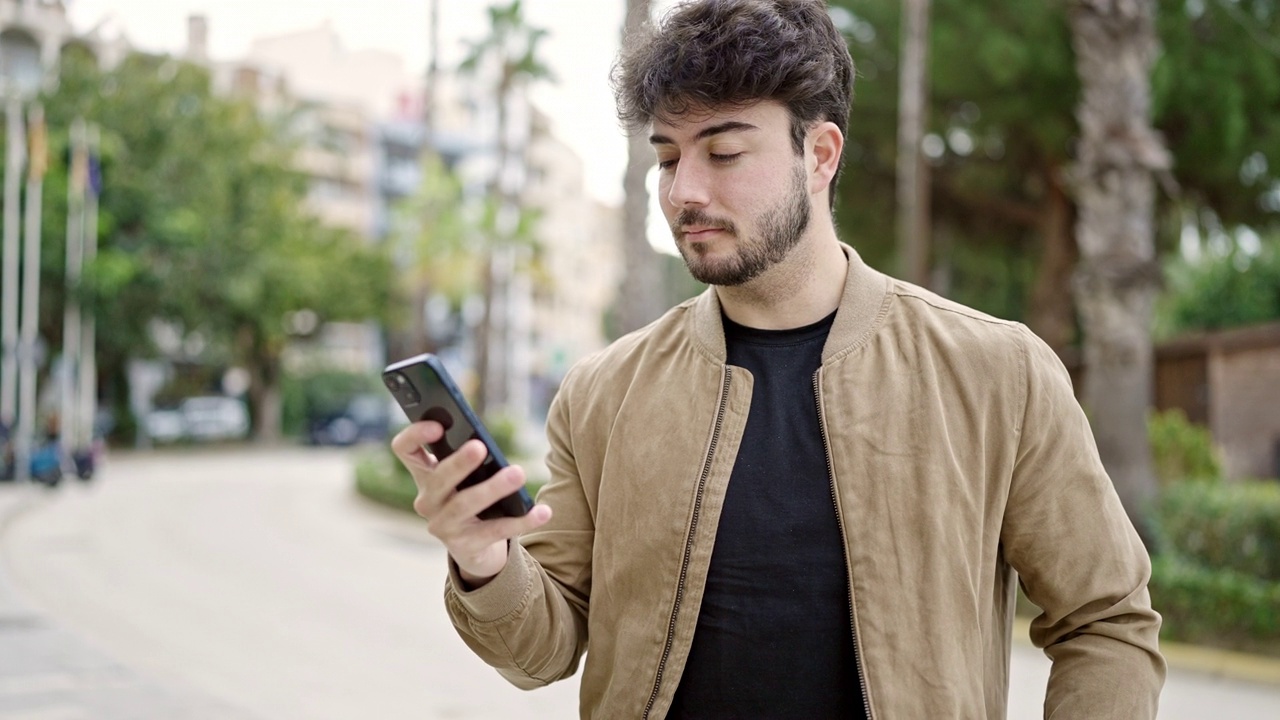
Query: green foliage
column 382, row 478
column 1222, row 289
column 1227, row 526
column 1181, row 449
column 1220, row 607
column 1215, row 89
column 1002, row 91
column 1003, row 84
column 203, row 223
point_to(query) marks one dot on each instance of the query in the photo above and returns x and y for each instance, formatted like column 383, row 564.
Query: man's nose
column 689, row 186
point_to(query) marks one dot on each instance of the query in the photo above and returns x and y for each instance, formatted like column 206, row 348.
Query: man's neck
column 800, row 290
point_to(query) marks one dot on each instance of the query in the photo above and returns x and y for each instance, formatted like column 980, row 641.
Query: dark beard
column 780, row 230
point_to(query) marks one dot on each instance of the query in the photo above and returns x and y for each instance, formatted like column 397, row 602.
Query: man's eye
column 725, row 159
column 666, row 164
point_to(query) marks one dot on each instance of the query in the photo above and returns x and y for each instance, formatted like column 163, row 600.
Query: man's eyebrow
column 724, row 127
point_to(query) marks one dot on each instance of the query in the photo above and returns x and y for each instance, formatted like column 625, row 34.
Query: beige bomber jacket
column 960, row 461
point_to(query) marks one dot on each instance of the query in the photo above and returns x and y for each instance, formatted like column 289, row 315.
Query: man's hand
column 479, row 547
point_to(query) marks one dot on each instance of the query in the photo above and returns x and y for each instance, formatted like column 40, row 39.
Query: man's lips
column 700, row 233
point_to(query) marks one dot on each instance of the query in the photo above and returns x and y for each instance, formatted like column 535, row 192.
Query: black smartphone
column 425, row 391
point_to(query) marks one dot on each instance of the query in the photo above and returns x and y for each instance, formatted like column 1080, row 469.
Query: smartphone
column 425, row 391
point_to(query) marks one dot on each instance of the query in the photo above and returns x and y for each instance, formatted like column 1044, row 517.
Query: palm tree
column 510, row 51
column 642, row 297
column 1118, row 277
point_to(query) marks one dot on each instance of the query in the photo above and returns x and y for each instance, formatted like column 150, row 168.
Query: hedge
column 1224, row 608
column 1228, row 526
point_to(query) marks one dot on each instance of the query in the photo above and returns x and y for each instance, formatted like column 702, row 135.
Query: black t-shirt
column 774, row 637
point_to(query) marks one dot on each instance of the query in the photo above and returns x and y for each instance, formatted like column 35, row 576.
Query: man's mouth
column 699, row 232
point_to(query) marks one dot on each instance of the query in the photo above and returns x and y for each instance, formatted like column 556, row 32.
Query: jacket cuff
column 498, row 598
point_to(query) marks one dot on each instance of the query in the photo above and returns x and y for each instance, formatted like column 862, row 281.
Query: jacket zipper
column 848, row 566
column 688, row 545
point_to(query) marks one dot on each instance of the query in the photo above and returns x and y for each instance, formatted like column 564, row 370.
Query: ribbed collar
column 865, row 292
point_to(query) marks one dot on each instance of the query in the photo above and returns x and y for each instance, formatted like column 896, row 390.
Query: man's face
column 733, row 190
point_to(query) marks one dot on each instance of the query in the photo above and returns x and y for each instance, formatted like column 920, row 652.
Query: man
column 805, row 493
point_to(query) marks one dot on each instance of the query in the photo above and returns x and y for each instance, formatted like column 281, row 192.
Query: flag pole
column 29, row 330
column 88, row 391
column 68, row 425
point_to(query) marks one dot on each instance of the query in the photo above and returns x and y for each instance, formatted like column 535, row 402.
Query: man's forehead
column 699, row 122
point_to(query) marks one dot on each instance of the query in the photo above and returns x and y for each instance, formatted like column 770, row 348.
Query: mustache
column 693, row 216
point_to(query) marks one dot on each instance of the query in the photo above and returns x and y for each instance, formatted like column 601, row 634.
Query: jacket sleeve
column 530, row 622
column 1079, row 558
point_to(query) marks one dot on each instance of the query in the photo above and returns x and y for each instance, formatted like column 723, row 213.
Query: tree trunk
column 642, row 297
column 1051, row 315
column 266, row 400
column 268, row 410
column 1118, row 278
column 913, row 171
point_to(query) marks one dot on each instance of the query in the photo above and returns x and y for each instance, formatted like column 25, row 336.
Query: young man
column 805, row 493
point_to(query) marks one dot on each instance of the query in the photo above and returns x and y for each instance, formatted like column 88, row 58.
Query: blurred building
column 360, row 119
column 1229, row 382
column 580, row 241
column 33, row 36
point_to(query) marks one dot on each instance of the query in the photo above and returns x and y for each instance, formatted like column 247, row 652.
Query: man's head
column 725, row 54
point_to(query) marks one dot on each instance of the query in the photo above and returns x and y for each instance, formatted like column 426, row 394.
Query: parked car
column 366, row 417
column 200, row 418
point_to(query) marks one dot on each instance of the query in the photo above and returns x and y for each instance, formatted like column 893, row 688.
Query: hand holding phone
column 474, row 502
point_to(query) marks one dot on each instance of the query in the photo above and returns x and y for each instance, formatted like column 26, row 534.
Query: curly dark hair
column 709, row 54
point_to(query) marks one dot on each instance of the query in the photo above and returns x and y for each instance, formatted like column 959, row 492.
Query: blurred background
column 223, row 218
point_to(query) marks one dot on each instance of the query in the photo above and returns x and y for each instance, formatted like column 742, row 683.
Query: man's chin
column 724, row 273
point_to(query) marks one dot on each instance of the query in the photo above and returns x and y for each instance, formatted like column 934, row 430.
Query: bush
column 381, row 478
column 1181, row 449
column 1230, row 526
column 1225, row 608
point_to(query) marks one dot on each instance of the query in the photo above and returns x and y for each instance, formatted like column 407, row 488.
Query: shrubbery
column 1217, row 578
column 1224, row 608
column 1231, row 526
column 1181, row 449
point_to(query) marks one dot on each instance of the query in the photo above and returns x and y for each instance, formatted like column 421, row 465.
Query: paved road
column 257, row 586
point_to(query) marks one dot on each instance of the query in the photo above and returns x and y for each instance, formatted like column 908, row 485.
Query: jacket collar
column 861, row 306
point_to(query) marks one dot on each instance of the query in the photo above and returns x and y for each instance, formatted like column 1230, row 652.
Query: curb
column 1196, row 658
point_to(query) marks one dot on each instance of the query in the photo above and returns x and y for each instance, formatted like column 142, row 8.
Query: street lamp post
column 29, row 329
column 15, row 145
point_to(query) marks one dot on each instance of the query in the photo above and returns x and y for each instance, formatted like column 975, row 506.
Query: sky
column 580, row 49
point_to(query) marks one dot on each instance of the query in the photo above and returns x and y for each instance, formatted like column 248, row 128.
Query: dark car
column 364, row 418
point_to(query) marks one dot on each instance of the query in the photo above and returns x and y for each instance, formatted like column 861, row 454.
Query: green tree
column 202, row 225
column 1225, row 287
column 1003, row 94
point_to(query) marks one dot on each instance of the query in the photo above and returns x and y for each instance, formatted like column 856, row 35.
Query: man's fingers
column 483, row 534
column 437, row 484
column 471, row 501
column 407, row 444
column 508, row 528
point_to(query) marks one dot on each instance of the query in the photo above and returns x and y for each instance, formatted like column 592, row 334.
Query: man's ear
column 825, row 144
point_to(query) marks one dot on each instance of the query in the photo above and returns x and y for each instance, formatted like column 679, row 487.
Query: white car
column 210, row 417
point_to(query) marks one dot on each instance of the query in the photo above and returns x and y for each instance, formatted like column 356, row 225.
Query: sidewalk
column 47, row 674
